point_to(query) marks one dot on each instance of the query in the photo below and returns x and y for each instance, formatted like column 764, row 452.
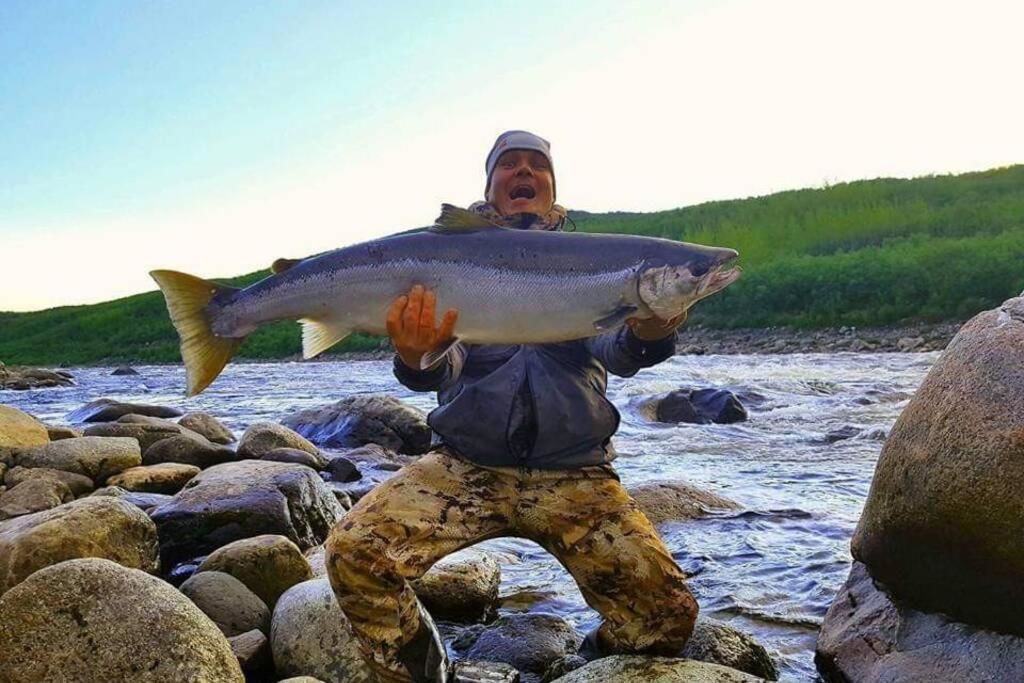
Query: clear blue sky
column 213, row 137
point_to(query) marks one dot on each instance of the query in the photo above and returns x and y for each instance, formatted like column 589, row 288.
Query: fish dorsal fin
column 283, row 264
column 454, row 220
column 320, row 335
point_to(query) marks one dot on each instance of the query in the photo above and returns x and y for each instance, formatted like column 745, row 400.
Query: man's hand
column 410, row 325
column 653, row 329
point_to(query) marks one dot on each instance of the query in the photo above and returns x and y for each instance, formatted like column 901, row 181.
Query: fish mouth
column 522, row 192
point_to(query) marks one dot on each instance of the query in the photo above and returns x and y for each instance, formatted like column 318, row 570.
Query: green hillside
column 866, row 253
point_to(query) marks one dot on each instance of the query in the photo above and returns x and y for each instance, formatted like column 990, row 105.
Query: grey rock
column 528, row 642
column 208, row 426
column 188, row 450
column 343, row 470
column 718, row 643
column 33, row 495
column 96, row 457
column 867, row 637
column 233, row 608
column 262, row 437
column 299, row 457
column 461, row 587
column 471, row 671
column 841, row 433
column 310, row 635
column 242, row 499
column 907, row 344
column 145, row 434
column 364, row 419
column 88, row 527
column 125, row 371
column 163, row 478
column 673, row 501
column 143, row 501
column 252, row 650
column 268, row 565
column 58, row 432
column 98, row 621
column 945, row 497
column 636, row 668
column 107, row 410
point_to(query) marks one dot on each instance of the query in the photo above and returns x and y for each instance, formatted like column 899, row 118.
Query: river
column 771, row 569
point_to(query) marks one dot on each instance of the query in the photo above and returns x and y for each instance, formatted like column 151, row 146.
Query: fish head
column 670, row 289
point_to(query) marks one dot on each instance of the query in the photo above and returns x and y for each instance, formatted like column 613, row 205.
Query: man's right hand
column 410, row 325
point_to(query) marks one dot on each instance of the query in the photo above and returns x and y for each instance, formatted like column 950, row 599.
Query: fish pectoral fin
column 454, row 220
column 320, row 335
column 283, row 264
column 432, row 358
column 617, row 317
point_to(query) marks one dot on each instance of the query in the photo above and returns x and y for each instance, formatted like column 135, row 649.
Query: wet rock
column 860, row 345
column 841, row 433
column 96, row 457
column 635, row 668
column 718, row 643
column 58, row 432
column 207, row 425
column 945, row 497
column 310, row 635
column 89, row 527
column 342, row 469
column 79, row 484
column 461, row 587
column 33, row 495
column 472, row 671
column 317, row 558
column 18, row 429
column 163, row 478
column 252, row 650
column 108, row 410
column 299, row 457
column 187, row 450
column 125, row 371
column 378, row 457
column 867, row 637
column 528, row 642
column 907, row 344
column 143, row 501
column 364, row 419
column 695, row 406
column 19, row 378
column 243, row 499
column 94, row 619
column 562, row 666
column 145, row 434
column 262, row 437
column 674, row 501
column 230, row 605
column 268, row 565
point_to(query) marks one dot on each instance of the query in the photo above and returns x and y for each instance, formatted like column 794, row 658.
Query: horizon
column 214, row 139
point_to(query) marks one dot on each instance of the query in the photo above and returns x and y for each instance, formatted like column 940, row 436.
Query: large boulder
column 164, row 478
column 33, row 495
column 635, row 668
column 529, row 642
column 242, row 499
column 145, row 434
column 94, row 620
column 677, row 501
column 90, row 527
column 18, row 429
column 207, row 425
column 461, row 587
column 868, row 637
column 187, row 449
column 268, row 565
column 107, row 410
column 310, row 635
column 696, row 406
column 79, row 484
column 262, row 437
column 718, row 643
column 364, row 419
column 233, row 607
column 942, row 524
column 96, row 457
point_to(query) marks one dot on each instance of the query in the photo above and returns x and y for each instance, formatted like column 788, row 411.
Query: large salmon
column 509, row 286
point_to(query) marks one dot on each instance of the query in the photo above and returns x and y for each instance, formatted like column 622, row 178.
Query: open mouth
column 522, row 192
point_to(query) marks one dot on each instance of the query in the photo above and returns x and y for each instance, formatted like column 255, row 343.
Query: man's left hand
column 653, row 329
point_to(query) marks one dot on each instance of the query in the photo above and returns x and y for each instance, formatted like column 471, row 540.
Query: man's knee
column 352, row 557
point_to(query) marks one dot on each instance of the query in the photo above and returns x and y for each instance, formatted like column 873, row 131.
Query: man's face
column 522, row 183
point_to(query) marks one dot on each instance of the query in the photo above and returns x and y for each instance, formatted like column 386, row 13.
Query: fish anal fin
column 454, row 220
column 432, row 358
column 615, row 318
column 320, row 335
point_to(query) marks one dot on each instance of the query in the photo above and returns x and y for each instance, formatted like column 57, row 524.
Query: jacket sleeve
column 439, row 377
column 623, row 353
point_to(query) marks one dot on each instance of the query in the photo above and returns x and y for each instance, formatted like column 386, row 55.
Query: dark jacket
column 537, row 405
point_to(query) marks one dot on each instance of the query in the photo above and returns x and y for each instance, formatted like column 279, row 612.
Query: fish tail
column 204, row 353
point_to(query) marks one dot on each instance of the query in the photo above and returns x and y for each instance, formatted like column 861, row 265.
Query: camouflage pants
column 441, row 504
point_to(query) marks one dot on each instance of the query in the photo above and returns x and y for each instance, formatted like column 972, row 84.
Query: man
column 524, row 450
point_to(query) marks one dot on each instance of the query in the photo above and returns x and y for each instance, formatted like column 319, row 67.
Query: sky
column 215, row 137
